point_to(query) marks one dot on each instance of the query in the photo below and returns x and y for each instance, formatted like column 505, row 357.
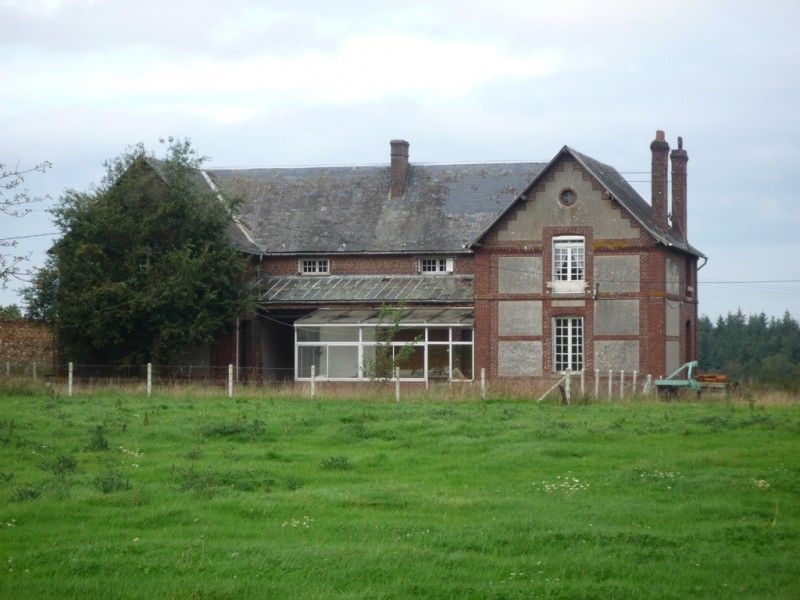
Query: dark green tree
column 144, row 269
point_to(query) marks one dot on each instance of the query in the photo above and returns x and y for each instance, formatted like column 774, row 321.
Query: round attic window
column 568, row 197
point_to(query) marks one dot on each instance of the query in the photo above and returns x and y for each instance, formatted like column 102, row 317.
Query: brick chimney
column 399, row 168
column 679, row 158
column 658, row 178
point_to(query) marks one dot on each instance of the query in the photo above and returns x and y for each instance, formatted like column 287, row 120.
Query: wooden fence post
column 622, row 384
column 33, row 369
column 596, row 383
column 69, row 379
column 633, row 391
column 610, row 382
column 483, row 383
column 568, row 386
column 583, row 382
column 149, row 378
column 313, row 381
column 230, row 380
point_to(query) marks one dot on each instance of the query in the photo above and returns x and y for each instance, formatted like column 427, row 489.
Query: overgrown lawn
column 115, row 495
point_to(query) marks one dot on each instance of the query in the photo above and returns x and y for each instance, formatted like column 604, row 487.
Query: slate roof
column 348, row 209
column 365, row 288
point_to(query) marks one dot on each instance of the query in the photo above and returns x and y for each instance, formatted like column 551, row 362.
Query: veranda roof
column 464, row 317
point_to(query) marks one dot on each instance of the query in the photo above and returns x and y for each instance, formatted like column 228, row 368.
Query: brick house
column 522, row 269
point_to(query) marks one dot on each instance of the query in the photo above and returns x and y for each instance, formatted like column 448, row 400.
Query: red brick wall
column 364, row 265
column 24, row 341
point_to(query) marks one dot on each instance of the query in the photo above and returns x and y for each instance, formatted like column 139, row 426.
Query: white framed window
column 567, row 344
column 435, row 265
column 314, row 266
column 439, row 352
column 569, row 264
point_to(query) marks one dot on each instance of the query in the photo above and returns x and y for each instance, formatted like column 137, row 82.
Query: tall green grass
column 116, row 495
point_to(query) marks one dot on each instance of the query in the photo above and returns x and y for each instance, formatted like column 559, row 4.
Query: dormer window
column 569, row 264
column 314, row 266
column 436, row 265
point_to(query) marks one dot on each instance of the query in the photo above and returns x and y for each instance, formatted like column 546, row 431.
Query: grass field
column 115, row 495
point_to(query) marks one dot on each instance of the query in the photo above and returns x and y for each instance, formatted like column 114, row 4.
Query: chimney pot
column 658, row 178
column 399, row 167
column 679, row 158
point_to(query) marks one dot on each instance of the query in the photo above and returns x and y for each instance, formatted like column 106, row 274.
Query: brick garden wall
column 24, row 341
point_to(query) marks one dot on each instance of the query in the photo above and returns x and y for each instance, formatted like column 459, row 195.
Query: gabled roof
column 348, row 209
column 619, row 189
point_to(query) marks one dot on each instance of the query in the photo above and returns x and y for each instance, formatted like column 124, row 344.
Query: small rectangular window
column 314, row 266
column 436, row 265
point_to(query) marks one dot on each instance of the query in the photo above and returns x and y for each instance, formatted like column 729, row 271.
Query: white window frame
column 572, row 250
column 434, row 265
column 362, row 343
column 575, row 336
column 314, row 266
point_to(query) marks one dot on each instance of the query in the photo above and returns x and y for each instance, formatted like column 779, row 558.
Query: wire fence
column 244, row 381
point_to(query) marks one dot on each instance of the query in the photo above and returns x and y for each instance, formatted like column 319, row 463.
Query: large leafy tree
column 144, row 269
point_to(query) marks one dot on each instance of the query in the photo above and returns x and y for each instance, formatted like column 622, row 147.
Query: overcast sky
column 280, row 84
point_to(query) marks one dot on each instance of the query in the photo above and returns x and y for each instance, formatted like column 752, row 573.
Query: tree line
column 753, row 348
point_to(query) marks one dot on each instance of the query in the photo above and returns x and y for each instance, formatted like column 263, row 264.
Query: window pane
column 462, row 335
column 311, row 355
column 438, row 362
column 409, row 335
column 438, row 334
column 377, row 361
column 462, row 362
column 307, row 334
column 411, row 362
column 342, row 361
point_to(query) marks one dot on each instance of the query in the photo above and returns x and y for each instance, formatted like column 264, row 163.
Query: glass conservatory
column 425, row 344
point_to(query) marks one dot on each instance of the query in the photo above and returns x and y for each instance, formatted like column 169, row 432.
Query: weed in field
column 8, row 431
column 305, row 523
column 24, row 494
column 293, row 483
column 193, row 454
column 63, row 464
column 112, row 481
column 243, row 481
column 98, row 442
column 336, row 463
column 566, row 485
column 252, row 431
column 5, row 476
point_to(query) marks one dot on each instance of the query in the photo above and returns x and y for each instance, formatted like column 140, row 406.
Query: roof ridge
column 371, row 165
